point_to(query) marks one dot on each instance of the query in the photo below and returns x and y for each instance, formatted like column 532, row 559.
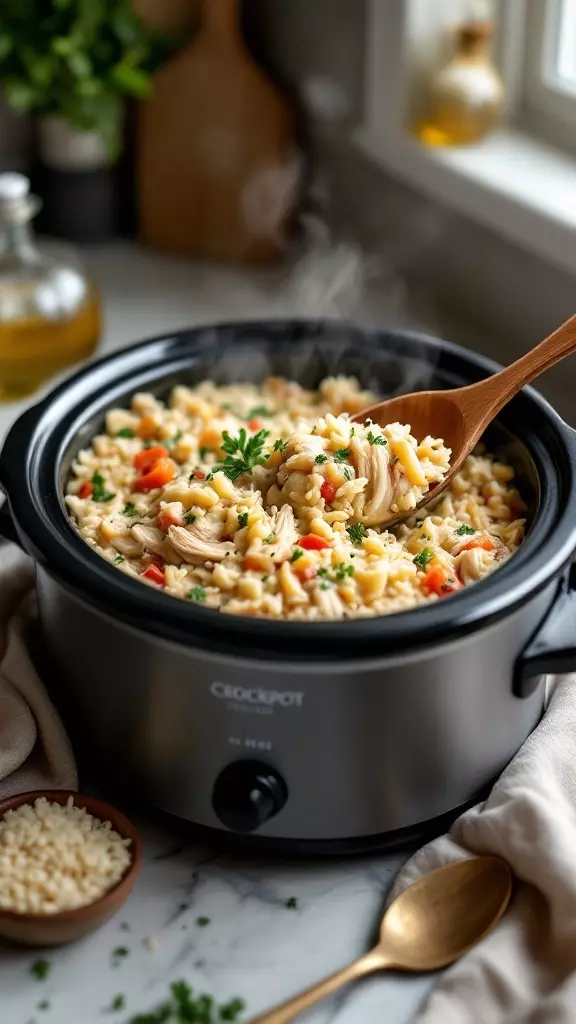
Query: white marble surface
column 254, row 947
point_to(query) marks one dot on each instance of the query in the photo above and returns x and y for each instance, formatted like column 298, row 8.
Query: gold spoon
column 460, row 416
column 428, row 926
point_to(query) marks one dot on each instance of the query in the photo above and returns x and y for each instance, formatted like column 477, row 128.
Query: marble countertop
column 254, row 946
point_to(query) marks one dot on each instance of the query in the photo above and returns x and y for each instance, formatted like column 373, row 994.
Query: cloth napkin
column 524, row 972
column 35, row 752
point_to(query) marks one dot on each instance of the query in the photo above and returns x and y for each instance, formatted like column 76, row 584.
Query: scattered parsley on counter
column 118, row 954
column 41, row 969
column 242, row 453
column 43, row 1005
column 117, row 1004
column 129, row 509
column 423, row 558
column 232, row 1010
column 291, row 903
column 197, row 594
column 99, row 492
column 296, row 554
column 464, row 530
column 185, row 1008
column 341, row 455
column 125, row 432
column 202, row 922
column 321, row 459
column 242, row 520
column 376, row 438
column 189, row 518
column 356, row 533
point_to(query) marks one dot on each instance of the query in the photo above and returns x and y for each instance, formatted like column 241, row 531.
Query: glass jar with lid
column 50, row 315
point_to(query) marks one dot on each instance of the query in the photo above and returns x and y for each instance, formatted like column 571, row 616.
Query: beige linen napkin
column 525, row 971
column 35, row 752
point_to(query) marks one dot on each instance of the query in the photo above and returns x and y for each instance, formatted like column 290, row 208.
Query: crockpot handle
column 553, row 649
column 7, row 528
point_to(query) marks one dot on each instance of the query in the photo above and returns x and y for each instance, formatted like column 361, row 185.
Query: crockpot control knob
column 248, row 793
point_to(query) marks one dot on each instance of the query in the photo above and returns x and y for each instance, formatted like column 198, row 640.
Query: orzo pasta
column 267, row 500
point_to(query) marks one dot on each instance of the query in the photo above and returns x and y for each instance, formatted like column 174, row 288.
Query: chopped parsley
column 264, row 578
column 204, row 452
column 119, row 559
column 347, row 472
column 197, row 594
column 117, row 1004
column 184, row 1007
column 118, row 954
column 296, row 554
column 99, row 492
column 242, row 452
column 280, row 445
column 243, row 520
column 342, row 571
column 291, row 903
column 357, row 532
column 129, row 509
column 260, row 410
column 423, row 558
column 376, row 438
column 321, row 459
column 41, row 969
column 188, row 518
column 341, row 455
column 464, row 530
column 125, row 432
column 202, row 922
column 171, row 442
column 44, row 1004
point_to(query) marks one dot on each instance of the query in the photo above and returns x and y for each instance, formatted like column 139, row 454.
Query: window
column 549, row 102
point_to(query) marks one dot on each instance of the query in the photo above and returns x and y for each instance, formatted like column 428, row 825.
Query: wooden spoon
column 461, row 416
column 427, row 927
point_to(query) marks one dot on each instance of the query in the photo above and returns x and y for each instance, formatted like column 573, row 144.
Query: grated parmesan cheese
column 55, row 858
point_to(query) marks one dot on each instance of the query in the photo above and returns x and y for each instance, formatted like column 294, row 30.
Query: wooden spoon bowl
column 69, row 925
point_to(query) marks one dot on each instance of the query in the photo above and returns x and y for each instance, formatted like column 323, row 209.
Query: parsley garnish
column 197, row 594
column 243, row 520
column 117, row 1004
column 356, row 533
column 41, row 969
column 171, row 442
column 99, row 492
column 231, row 1010
column 296, row 554
column 129, row 509
column 259, row 410
column 280, row 445
column 188, row 518
column 423, row 558
column 464, row 530
column 321, row 459
column 119, row 954
column 125, row 432
column 204, row 452
column 242, row 453
column 44, row 1004
column 119, row 559
column 343, row 570
column 341, row 454
column 185, row 1008
column 202, row 922
column 376, row 438
column 292, row 903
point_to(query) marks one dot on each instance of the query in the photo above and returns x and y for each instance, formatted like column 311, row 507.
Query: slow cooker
column 331, row 736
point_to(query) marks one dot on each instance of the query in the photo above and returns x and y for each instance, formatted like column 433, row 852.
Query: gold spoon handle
column 374, row 961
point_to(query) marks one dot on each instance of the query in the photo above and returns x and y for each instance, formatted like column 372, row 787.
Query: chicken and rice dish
column 267, row 500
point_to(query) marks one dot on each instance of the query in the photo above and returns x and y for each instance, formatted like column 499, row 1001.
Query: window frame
column 548, row 108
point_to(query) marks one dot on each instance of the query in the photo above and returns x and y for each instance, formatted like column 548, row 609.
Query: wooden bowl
column 68, row 925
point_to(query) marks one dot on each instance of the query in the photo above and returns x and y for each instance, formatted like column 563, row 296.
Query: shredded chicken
column 151, row 538
column 378, row 497
column 329, row 603
column 286, row 534
column 194, row 549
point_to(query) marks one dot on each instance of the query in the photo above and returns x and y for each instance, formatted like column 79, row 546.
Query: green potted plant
column 72, row 64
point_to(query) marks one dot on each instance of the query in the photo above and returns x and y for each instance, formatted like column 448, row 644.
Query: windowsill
column 511, row 183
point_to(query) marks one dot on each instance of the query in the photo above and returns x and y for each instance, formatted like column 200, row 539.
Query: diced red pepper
column 328, row 491
column 168, row 517
column 148, row 456
column 154, row 574
column 161, row 473
column 255, row 424
column 311, row 542
column 440, row 581
column 199, row 474
column 486, row 543
column 86, row 490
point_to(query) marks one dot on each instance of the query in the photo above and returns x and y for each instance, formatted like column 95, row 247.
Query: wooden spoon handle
column 486, row 399
column 374, row 961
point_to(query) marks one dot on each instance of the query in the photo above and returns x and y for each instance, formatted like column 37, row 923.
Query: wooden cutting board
column 216, row 168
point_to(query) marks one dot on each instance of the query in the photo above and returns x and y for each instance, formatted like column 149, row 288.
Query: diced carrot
column 257, row 563
column 311, row 542
column 154, row 574
column 255, row 424
column 86, row 490
column 144, row 459
column 147, row 428
column 168, row 517
column 440, row 581
column 328, row 491
column 486, row 543
column 159, row 474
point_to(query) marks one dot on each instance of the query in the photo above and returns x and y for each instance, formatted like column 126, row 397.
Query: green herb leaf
column 117, row 1004
column 259, row 410
column 232, row 1010
column 376, row 438
column 119, row 559
column 357, row 532
column 171, row 442
column 242, row 520
column 118, row 954
column 125, row 432
column 342, row 455
column 129, row 509
column 99, row 492
column 296, row 554
column 41, row 969
column 422, row 559
column 292, row 903
column 464, row 530
column 280, row 445
column 342, row 570
column 202, row 922
column 197, row 594
column 321, row 459
column 242, row 453
column 204, row 452
column 43, row 1005
column 188, row 518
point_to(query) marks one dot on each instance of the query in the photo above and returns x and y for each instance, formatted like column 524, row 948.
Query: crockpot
column 330, row 736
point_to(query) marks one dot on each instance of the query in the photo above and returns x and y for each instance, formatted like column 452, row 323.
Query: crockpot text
column 286, row 699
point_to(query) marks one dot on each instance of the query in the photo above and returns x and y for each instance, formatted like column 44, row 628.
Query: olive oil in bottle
column 50, row 312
